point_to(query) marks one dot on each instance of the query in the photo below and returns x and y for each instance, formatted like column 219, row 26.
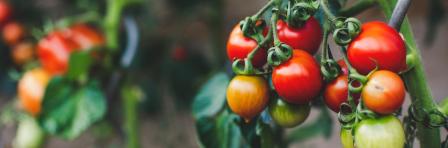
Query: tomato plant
column 288, row 115
column 22, row 53
column 247, row 96
column 298, row 80
column 306, row 37
column 384, row 92
column 377, row 45
column 239, row 46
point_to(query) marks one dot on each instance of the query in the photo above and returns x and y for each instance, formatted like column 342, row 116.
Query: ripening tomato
column 239, row 46
column 377, row 43
column 5, row 11
column 13, row 32
column 22, row 53
column 31, row 90
column 298, row 80
column 247, row 96
column 288, row 115
column 29, row 134
column 384, row 92
column 54, row 52
column 384, row 132
column 344, row 68
column 85, row 36
column 307, row 37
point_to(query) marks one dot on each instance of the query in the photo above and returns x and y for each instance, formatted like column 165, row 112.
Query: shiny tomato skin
column 31, row 90
column 381, row 132
column 298, row 80
column 307, row 37
column 336, row 92
column 384, row 92
column 13, row 32
column 54, row 51
column 377, row 43
column 344, row 68
column 5, row 11
column 247, row 96
column 239, row 46
column 85, row 36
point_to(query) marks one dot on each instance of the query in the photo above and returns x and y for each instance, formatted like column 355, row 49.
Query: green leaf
column 67, row 111
column 321, row 126
column 79, row 64
column 221, row 131
column 211, row 97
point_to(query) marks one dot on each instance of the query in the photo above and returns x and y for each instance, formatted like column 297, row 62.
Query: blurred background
column 182, row 42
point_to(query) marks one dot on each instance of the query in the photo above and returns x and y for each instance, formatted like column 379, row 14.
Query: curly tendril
column 345, row 30
column 243, row 67
column 432, row 118
column 252, row 28
column 330, row 69
column 278, row 54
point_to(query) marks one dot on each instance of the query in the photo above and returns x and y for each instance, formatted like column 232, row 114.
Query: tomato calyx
column 278, row 54
column 299, row 12
column 345, row 30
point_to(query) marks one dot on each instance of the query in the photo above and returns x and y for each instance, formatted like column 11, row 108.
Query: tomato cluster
column 296, row 81
column 53, row 52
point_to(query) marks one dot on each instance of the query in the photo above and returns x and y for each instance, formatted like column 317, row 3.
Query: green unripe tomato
column 383, row 132
column 288, row 115
column 29, row 134
column 347, row 138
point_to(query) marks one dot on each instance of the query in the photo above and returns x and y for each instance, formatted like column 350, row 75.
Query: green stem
column 327, row 11
column 357, row 8
column 130, row 103
column 260, row 45
column 274, row 20
column 415, row 81
column 263, row 10
column 112, row 21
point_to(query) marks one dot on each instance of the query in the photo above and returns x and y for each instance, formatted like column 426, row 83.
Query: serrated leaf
column 67, row 111
column 211, row 97
column 79, row 64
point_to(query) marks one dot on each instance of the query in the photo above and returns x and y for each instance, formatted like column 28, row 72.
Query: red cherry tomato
column 239, row 46
column 13, row 32
column 85, row 36
column 384, row 92
column 298, row 80
column 377, row 44
column 344, row 68
column 307, row 37
column 54, row 51
column 5, row 11
column 336, row 92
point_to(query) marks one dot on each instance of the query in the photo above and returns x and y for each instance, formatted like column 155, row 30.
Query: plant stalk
column 415, row 81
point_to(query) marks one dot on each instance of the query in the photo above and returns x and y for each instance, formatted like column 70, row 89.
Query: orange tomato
column 384, row 92
column 31, row 90
column 85, row 36
column 22, row 53
column 247, row 96
column 13, row 32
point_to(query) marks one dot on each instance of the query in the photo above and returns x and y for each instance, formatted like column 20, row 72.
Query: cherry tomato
column 13, row 32
column 5, row 11
column 344, row 68
column 384, row 92
column 336, row 92
column 239, row 46
column 307, row 37
column 288, row 115
column 22, row 53
column 347, row 138
column 247, row 96
column 384, row 132
column 31, row 90
column 377, row 44
column 298, row 80
column 54, row 52
column 85, row 36
column 29, row 134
